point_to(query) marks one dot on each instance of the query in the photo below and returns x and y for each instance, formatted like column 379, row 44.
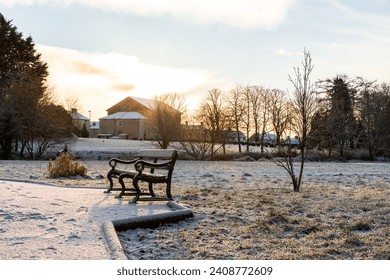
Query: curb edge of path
column 110, row 228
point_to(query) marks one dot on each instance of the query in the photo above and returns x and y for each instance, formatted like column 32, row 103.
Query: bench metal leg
column 122, row 183
column 109, row 177
column 151, row 190
column 137, row 189
column 168, row 191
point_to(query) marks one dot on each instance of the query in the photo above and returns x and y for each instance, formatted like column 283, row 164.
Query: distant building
column 193, row 132
column 268, row 139
column 94, row 129
column 234, row 137
column 129, row 119
column 292, row 141
column 80, row 122
column 124, row 125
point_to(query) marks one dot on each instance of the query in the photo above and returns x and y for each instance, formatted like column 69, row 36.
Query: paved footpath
column 40, row 221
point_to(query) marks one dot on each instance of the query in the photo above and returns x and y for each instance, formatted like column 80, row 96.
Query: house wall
column 133, row 128
column 93, row 133
column 80, row 123
column 150, row 131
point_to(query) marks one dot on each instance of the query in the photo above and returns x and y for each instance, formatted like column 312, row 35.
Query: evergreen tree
column 24, row 97
column 84, row 131
column 341, row 126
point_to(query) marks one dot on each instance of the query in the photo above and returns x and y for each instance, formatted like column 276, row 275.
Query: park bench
column 144, row 170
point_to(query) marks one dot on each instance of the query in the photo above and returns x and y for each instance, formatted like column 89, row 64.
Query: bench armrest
column 114, row 161
column 141, row 164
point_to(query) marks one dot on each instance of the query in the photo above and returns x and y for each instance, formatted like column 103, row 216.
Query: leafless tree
column 372, row 101
column 42, row 134
column 256, row 100
column 281, row 114
column 236, row 108
column 194, row 140
column 247, row 118
column 265, row 115
column 305, row 104
column 72, row 102
column 165, row 118
column 212, row 115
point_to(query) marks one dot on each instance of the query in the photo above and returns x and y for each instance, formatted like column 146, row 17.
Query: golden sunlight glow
column 192, row 103
column 99, row 80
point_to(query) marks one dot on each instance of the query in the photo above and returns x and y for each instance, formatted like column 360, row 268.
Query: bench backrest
column 163, row 154
column 159, row 155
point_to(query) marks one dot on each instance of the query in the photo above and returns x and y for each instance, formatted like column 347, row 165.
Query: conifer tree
column 24, row 97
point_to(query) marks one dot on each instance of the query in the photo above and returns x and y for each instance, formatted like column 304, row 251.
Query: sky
column 101, row 51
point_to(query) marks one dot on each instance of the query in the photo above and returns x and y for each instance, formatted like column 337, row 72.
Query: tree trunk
column 239, row 140
column 6, row 148
column 295, row 183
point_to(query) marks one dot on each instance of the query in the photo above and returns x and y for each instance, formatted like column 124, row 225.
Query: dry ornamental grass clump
column 65, row 166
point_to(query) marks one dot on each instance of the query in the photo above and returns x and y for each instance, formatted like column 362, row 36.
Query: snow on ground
column 48, row 222
column 243, row 210
column 102, row 149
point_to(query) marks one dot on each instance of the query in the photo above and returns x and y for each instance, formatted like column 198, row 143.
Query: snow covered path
column 40, row 221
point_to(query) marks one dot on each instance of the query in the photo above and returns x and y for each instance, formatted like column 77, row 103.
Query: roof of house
column 233, row 133
column 148, row 103
column 268, row 136
column 77, row 116
column 124, row 116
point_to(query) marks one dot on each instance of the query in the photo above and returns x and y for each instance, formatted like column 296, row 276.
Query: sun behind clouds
column 99, row 80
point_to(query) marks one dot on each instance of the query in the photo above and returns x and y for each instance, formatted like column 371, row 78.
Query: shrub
column 65, row 166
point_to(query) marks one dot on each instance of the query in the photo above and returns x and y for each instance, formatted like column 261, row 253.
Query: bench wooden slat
column 157, row 153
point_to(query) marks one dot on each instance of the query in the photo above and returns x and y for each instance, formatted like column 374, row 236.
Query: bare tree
column 280, row 110
column 236, row 108
column 264, row 115
column 42, row 134
column 372, row 101
column 165, row 118
column 72, row 102
column 255, row 98
column 213, row 116
column 305, row 105
column 247, row 120
column 194, row 140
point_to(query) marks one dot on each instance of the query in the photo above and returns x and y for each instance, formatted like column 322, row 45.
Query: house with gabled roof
column 80, row 123
column 128, row 119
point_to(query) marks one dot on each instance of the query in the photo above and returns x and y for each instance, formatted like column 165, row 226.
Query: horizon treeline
column 350, row 113
column 347, row 113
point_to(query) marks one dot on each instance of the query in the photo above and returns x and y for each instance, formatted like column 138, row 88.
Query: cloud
column 238, row 13
column 282, row 52
column 99, row 80
column 123, row 87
